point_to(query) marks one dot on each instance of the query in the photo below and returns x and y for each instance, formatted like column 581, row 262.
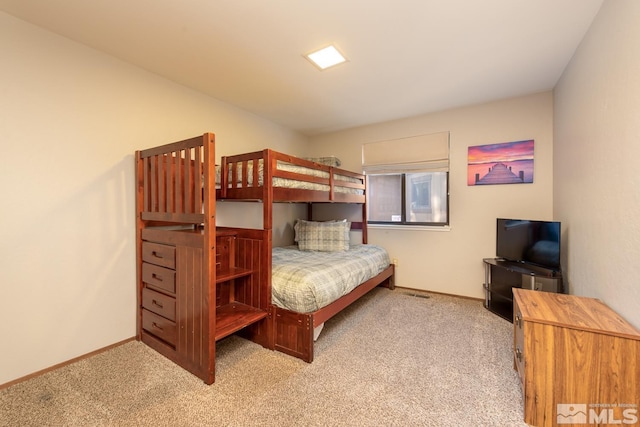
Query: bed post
column 267, row 190
column 139, row 226
column 267, row 226
column 365, row 237
column 224, row 177
column 208, row 366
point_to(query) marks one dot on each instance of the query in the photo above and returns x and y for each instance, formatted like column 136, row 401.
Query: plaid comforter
column 305, row 281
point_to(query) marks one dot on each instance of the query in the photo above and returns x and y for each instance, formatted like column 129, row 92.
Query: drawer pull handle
column 155, row 254
column 157, row 304
column 518, row 320
column 155, row 325
column 519, row 355
column 158, row 278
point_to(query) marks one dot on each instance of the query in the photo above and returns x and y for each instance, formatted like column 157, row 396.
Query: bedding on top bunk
column 306, row 281
column 290, row 183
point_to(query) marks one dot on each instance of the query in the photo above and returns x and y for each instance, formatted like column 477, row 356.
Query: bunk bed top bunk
column 288, row 179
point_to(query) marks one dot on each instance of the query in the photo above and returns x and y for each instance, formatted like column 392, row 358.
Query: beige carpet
column 389, row 360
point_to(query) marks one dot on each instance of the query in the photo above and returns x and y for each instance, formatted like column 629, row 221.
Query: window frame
column 403, row 204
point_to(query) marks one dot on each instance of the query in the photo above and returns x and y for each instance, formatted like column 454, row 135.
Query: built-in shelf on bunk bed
column 233, row 282
column 198, row 283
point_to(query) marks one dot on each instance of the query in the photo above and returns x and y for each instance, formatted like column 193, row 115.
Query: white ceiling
column 406, row 57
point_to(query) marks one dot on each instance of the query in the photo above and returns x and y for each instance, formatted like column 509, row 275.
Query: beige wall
column 451, row 261
column 71, row 120
column 597, row 147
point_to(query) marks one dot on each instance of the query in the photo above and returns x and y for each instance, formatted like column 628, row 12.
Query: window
column 408, row 181
column 411, row 198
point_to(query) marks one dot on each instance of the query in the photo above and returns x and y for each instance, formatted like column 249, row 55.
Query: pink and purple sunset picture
column 504, row 163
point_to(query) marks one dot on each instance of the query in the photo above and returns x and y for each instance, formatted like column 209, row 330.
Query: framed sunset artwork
column 503, row 163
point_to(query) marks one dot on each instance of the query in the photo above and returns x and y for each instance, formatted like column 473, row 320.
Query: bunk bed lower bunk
column 309, row 288
column 298, row 311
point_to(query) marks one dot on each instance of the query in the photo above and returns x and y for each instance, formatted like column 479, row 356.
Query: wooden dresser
column 578, row 361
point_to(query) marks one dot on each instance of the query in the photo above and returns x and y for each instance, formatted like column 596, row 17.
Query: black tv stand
column 501, row 276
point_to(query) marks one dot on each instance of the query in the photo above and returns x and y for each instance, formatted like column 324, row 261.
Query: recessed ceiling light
column 326, row 57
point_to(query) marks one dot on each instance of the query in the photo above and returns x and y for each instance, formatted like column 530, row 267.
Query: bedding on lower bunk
column 290, row 183
column 306, row 281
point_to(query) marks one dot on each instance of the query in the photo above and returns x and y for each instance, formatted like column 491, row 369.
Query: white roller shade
column 423, row 153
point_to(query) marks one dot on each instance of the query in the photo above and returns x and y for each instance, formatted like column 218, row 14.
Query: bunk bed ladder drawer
column 159, row 326
column 159, row 277
column 162, row 255
column 158, row 303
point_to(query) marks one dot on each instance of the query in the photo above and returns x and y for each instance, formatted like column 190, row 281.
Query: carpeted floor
column 391, row 359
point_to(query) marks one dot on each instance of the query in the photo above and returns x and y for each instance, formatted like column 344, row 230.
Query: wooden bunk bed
column 198, row 283
column 273, row 177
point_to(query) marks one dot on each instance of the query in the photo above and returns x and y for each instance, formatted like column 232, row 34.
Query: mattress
column 290, row 183
column 306, row 281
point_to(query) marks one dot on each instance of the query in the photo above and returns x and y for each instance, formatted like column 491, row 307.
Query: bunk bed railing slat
column 198, row 172
column 145, row 184
column 256, row 171
column 174, row 184
column 153, row 170
column 162, row 183
column 295, row 176
column 245, row 181
column 331, row 185
column 188, row 197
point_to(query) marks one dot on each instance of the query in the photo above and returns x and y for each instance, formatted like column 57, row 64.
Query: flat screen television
column 530, row 242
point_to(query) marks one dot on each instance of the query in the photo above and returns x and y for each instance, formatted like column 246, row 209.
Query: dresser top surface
column 573, row 312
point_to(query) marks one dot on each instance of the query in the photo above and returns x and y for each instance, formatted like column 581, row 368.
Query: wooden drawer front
column 159, row 326
column 158, row 254
column 159, row 277
column 159, row 303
